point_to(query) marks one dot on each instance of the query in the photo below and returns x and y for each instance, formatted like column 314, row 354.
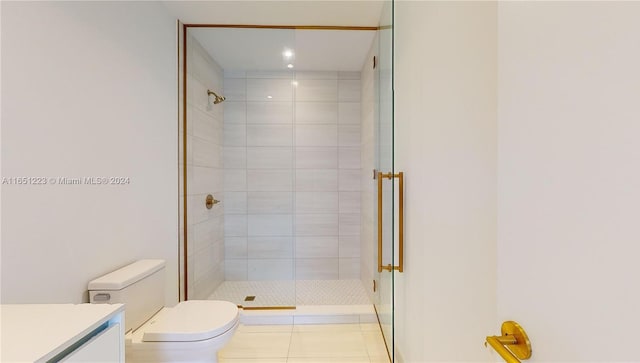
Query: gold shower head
column 217, row 99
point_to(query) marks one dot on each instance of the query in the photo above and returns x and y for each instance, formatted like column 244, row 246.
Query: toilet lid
column 191, row 321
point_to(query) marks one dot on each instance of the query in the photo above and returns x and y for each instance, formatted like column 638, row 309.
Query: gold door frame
column 183, row 282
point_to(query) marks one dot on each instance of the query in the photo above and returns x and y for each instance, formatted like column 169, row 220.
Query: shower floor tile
column 293, row 293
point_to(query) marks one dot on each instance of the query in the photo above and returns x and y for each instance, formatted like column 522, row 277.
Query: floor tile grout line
column 290, row 341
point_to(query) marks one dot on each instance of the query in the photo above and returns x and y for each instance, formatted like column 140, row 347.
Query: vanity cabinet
column 72, row 333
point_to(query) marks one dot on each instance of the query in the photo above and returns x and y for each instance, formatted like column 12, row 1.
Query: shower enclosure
column 283, row 131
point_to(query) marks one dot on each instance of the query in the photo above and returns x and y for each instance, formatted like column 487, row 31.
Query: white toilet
column 192, row 331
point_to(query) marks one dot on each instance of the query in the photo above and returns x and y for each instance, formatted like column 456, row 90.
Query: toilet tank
column 140, row 286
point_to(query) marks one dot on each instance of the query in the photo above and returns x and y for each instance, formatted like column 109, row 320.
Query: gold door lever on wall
column 389, row 267
column 513, row 344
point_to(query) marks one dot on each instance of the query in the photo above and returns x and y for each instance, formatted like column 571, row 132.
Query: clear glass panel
column 240, row 150
column 384, row 161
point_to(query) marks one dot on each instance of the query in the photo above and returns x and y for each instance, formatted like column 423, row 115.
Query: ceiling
column 262, row 49
column 293, row 12
column 244, row 49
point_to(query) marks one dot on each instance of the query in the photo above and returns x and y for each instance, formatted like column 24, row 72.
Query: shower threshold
column 310, row 314
column 298, row 302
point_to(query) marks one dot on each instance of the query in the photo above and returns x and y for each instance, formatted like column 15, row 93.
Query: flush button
column 102, row 297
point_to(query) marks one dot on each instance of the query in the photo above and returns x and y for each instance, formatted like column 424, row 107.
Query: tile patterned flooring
column 348, row 331
column 288, row 293
column 344, row 343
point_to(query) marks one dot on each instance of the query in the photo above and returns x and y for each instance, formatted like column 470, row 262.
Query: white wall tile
column 316, row 157
column 197, row 93
column 349, row 90
column 269, row 135
column 235, row 112
column 235, row 225
column 235, row 202
column 310, row 180
column 349, row 180
column 316, row 113
column 205, row 153
column 261, row 89
column 317, row 135
column 349, row 268
column 203, row 180
column 270, row 247
column 316, row 75
column 270, row 202
column 235, row 157
column 349, row 158
column 198, row 63
column 348, row 113
column 235, row 270
column 317, row 90
column 316, row 202
column 348, row 75
column 349, row 224
column 265, row 180
column 269, row 157
column 235, row 89
column 349, row 246
column 235, row 135
column 235, row 247
column 271, row 74
column 317, row 269
column 235, row 180
column 234, row 74
column 203, row 234
column 316, row 224
column 270, row 269
column 270, row 225
column 204, row 261
column 317, row 247
column 349, row 135
column 189, row 150
column 349, row 202
column 197, row 211
column 201, row 124
column 270, row 112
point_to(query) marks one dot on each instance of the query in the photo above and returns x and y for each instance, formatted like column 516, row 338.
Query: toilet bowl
column 191, row 331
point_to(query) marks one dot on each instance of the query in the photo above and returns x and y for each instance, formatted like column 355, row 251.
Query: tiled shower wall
column 292, row 175
column 204, row 173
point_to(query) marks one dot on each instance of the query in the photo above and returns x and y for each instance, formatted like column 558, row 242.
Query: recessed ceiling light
column 289, row 65
column 269, row 97
column 288, row 53
column 294, row 83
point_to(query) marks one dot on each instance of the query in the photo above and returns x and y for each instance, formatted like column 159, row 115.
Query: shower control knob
column 209, row 202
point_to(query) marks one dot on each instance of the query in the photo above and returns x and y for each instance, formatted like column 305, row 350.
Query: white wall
column 445, row 104
column 568, row 176
column 89, row 90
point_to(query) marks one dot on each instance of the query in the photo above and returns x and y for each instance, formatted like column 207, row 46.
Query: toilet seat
column 193, row 320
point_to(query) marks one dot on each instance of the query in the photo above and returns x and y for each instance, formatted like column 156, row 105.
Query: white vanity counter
column 66, row 332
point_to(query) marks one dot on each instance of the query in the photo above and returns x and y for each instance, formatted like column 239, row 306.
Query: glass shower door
column 386, row 255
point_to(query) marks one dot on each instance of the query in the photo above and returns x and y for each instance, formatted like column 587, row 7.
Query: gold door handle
column 389, row 267
column 513, row 344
